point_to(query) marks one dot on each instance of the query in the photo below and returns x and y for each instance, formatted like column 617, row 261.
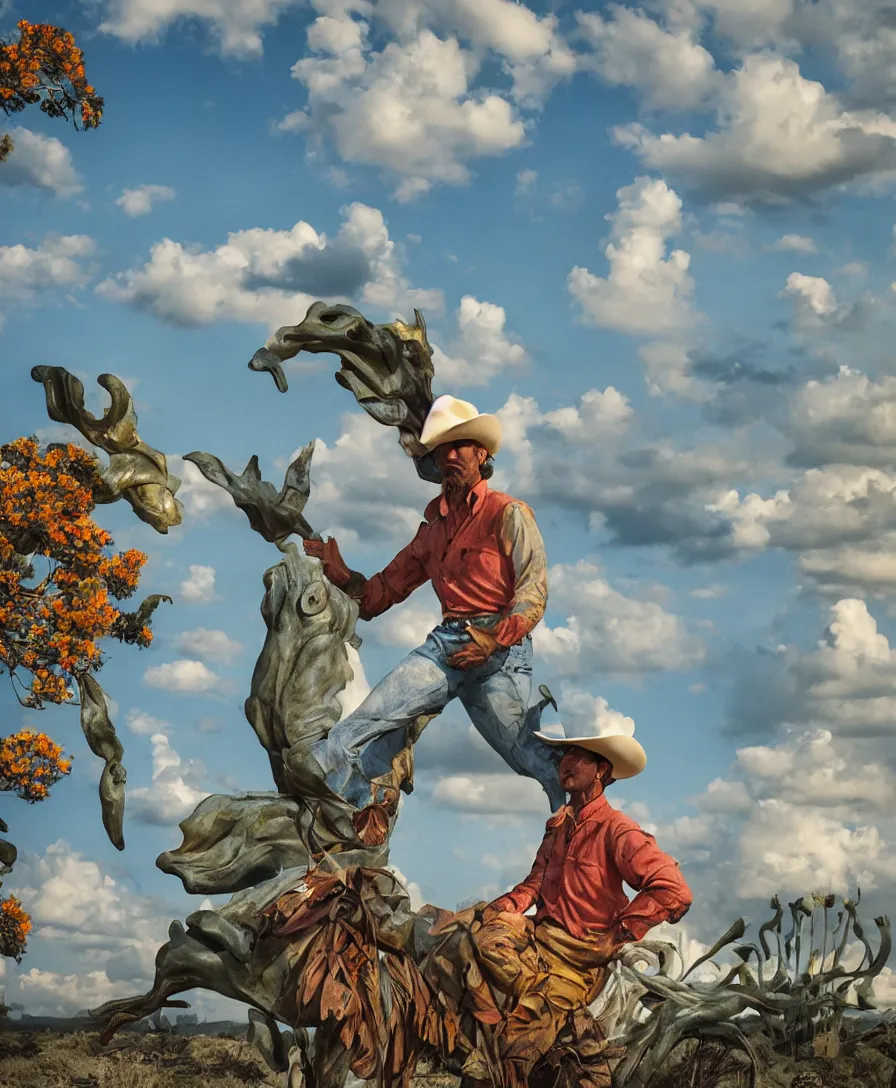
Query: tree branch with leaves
column 46, row 67
column 51, row 629
column 51, row 623
column 30, row 765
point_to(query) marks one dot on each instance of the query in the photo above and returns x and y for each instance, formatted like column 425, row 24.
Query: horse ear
column 421, row 325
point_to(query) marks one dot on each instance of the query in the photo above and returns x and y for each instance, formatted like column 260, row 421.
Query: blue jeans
column 495, row 695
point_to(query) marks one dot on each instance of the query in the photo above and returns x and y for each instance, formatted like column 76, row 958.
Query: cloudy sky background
column 658, row 241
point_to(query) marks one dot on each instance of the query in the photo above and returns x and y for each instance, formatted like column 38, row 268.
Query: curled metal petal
column 276, row 515
column 8, row 855
column 271, row 1043
column 103, row 742
column 149, row 604
column 136, row 472
column 388, row 368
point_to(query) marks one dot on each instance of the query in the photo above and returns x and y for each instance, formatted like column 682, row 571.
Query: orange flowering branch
column 30, row 764
column 46, row 66
column 51, row 630
column 15, row 925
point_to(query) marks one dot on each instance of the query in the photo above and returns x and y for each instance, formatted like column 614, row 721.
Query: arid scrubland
column 76, row 1060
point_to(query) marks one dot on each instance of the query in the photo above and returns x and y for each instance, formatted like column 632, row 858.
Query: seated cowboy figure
column 550, row 963
column 485, row 557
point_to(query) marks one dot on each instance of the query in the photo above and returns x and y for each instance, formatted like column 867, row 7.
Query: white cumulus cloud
column 40, row 162
column 271, row 276
column 140, row 201
column 208, row 645
column 182, row 676
column 105, row 934
column 200, row 586
column 357, row 689
column 647, row 291
column 59, row 265
column 796, row 243
column 406, row 626
column 145, row 725
column 409, row 108
column 813, row 292
column 780, row 137
column 174, row 791
column 605, row 631
column 668, row 68
column 481, row 350
column 236, row 26
column 491, row 793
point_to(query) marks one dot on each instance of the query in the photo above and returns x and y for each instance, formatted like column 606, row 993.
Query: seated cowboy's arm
column 394, row 583
column 519, row 899
column 522, row 542
column 662, row 894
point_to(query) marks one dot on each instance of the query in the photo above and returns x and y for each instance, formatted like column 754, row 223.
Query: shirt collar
column 594, row 810
column 473, row 497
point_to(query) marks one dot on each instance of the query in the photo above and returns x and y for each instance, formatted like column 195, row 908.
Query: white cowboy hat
column 625, row 754
column 450, row 420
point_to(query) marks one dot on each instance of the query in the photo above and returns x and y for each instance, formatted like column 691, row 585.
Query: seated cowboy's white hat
column 450, row 420
column 625, row 754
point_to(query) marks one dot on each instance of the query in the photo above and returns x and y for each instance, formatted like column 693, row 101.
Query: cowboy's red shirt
column 579, row 870
column 486, row 559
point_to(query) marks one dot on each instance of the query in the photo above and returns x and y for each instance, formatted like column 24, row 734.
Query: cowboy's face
column 460, row 463
column 579, row 771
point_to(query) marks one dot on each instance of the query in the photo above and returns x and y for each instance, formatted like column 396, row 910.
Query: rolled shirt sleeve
column 522, row 541
column 394, row 583
column 662, row 894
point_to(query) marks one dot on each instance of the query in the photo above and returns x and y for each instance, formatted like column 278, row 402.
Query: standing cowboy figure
column 485, row 556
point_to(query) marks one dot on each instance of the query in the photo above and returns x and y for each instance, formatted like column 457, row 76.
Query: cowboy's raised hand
column 327, row 551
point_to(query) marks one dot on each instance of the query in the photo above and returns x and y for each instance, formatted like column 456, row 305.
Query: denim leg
column 363, row 745
column 498, row 706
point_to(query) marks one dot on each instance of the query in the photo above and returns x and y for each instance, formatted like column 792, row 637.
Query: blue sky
column 658, row 241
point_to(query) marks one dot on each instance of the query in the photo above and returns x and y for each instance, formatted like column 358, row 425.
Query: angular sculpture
column 139, row 474
column 318, row 932
column 275, row 515
column 388, row 368
column 136, row 472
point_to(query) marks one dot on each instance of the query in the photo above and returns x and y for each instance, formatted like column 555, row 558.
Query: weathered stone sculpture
column 136, row 472
column 387, row 367
column 275, row 515
column 793, row 1005
column 317, row 932
column 139, row 474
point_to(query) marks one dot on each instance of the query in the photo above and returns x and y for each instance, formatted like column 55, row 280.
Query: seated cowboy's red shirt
column 579, row 870
column 485, row 559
